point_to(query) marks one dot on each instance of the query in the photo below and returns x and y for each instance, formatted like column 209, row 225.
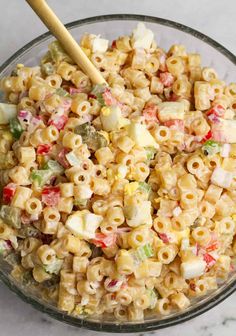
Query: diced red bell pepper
column 166, row 78
column 218, row 111
column 176, row 124
column 208, row 136
column 164, row 237
column 59, row 121
column 198, row 249
column 112, row 283
column 113, row 45
column 209, row 260
column 173, row 97
column 44, row 149
column 192, row 286
column 46, row 238
column 102, row 240
column 9, row 244
column 109, row 100
column 51, row 195
column 61, row 158
column 8, row 193
column 91, row 96
column 150, row 113
column 212, row 247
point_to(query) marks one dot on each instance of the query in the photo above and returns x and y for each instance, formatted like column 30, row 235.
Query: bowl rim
column 118, row 327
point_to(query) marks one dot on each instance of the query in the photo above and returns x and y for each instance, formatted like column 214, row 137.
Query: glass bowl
column 166, row 33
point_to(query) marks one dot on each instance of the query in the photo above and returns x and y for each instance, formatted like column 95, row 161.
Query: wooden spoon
column 56, row 27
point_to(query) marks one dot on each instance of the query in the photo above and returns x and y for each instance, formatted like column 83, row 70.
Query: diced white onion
column 222, row 178
column 225, row 150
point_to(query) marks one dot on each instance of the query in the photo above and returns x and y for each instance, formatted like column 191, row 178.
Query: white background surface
column 18, row 25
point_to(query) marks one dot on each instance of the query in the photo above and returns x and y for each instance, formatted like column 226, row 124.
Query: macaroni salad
column 118, row 199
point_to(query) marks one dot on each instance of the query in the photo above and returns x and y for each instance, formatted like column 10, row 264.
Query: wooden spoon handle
column 52, row 22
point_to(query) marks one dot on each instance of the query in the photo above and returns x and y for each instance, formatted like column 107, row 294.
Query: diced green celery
column 48, row 69
column 7, row 112
column 54, row 167
column 16, row 128
column 54, row 267
column 150, row 151
column 57, row 53
column 11, row 216
column 41, row 177
column 211, row 147
column 143, row 186
column 61, row 92
column 144, row 252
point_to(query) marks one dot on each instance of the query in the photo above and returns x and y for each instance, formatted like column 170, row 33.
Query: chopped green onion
column 54, row 167
column 11, row 216
column 54, row 267
column 16, row 128
column 211, row 147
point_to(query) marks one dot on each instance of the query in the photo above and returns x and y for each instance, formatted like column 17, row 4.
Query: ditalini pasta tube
column 118, row 199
